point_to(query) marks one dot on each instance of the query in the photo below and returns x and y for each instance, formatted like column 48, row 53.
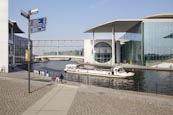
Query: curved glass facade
column 103, row 52
column 158, row 42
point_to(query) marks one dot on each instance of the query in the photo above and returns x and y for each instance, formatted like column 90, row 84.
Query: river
column 160, row 82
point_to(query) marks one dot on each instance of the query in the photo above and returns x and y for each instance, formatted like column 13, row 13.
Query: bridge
column 58, row 50
column 59, row 57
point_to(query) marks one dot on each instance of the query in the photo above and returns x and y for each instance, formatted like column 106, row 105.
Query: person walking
column 47, row 74
column 61, row 78
column 57, row 78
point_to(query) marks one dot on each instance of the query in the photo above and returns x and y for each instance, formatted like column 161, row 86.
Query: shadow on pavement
column 42, row 80
column 40, row 88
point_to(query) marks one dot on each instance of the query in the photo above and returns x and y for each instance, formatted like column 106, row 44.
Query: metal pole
column 29, row 49
column 27, row 16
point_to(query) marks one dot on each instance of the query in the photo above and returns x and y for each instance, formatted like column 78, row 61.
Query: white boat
column 117, row 72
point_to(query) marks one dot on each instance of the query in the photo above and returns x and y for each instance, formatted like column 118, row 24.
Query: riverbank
column 86, row 99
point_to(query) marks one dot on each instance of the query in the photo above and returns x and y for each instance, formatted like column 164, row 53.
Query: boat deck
column 100, row 75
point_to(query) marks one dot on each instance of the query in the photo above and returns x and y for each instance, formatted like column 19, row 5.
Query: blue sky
column 68, row 19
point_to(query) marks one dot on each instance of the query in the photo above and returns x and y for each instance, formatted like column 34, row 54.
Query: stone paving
column 92, row 100
column 89, row 100
column 14, row 96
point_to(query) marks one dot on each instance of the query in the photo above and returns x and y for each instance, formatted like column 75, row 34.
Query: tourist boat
column 116, row 72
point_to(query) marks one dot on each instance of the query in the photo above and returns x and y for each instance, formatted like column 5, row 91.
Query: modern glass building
column 147, row 41
column 21, row 45
column 16, row 45
column 158, row 41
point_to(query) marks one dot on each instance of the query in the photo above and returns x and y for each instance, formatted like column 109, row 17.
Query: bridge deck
column 59, row 56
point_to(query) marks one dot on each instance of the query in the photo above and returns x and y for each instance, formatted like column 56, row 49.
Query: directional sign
column 38, row 29
column 38, row 22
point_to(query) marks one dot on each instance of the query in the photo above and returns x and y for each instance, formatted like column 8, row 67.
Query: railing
column 57, row 47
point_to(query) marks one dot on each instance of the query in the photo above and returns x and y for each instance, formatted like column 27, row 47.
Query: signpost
column 38, row 29
column 37, row 25
column 34, row 25
column 38, row 22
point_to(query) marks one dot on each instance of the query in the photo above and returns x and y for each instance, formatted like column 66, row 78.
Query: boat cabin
column 118, row 70
column 71, row 67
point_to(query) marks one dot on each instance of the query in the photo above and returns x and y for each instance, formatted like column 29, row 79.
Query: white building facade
column 4, row 40
column 101, row 53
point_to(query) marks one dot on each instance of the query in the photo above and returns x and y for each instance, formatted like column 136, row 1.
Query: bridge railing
column 58, row 47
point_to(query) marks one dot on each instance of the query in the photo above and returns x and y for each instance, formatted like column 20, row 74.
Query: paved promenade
column 48, row 98
column 14, row 96
column 56, row 102
column 91, row 100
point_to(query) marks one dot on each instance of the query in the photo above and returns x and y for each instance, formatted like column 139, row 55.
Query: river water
column 160, row 82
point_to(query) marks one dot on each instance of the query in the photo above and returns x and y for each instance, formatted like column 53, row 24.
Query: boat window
column 121, row 70
column 71, row 67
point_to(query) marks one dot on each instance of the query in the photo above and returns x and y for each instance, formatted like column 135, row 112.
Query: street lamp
column 27, row 16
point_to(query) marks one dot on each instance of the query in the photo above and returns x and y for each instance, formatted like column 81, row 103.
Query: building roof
column 125, row 25
column 160, row 16
column 121, row 25
column 16, row 28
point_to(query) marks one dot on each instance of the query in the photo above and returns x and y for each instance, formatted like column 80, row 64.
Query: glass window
column 21, row 45
column 103, row 52
column 158, row 42
column 131, row 48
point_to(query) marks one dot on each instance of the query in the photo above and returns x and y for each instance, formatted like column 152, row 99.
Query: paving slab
column 56, row 102
column 14, row 96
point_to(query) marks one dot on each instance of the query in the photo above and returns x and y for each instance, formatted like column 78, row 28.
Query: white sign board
column 38, row 29
column 38, row 22
column 38, row 25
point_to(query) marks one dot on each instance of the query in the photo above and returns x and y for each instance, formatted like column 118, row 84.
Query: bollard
column 156, row 88
column 87, row 80
column 138, row 86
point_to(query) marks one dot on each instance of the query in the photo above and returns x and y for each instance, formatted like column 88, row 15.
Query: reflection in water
column 144, row 80
column 100, row 81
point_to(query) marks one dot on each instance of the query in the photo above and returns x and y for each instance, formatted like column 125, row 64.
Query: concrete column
column 113, row 46
column 118, row 52
column 93, row 51
column 14, row 45
column 4, row 38
column 142, row 45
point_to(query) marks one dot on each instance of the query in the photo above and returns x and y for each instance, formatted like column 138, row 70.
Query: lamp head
column 34, row 11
